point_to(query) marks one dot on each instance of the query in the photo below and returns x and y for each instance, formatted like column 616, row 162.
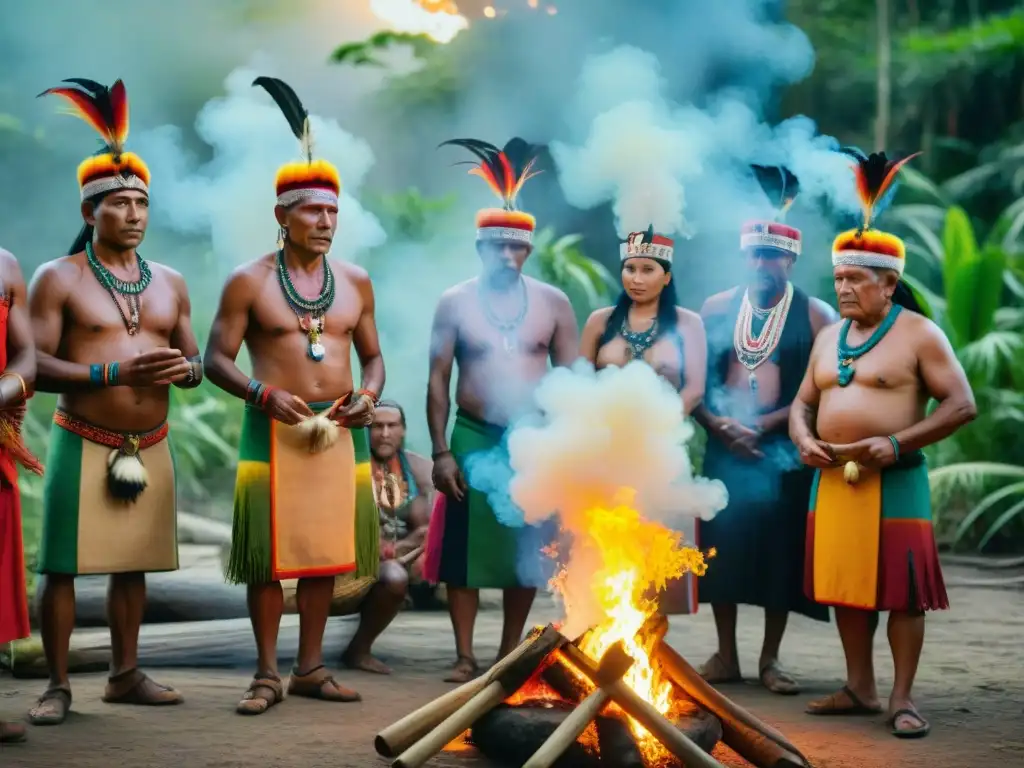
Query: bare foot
column 365, row 662
column 717, row 671
column 465, row 669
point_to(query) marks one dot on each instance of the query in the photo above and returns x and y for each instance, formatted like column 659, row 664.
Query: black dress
column 760, row 535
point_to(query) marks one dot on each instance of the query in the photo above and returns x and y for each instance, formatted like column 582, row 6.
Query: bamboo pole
column 614, row 664
column 674, row 740
column 402, row 734
column 752, row 739
column 497, row 689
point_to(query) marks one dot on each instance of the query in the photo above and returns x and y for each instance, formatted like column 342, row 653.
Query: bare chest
column 273, row 315
column 890, row 365
column 665, row 356
column 95, row 310
column 503, row 330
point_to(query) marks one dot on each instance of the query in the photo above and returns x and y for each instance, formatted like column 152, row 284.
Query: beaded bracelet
column 895, row 446
column 374, row 398
column 104, row 374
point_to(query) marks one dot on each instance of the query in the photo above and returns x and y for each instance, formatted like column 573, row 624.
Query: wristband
column 112, row 374
column 895, row 446
column 24, row 388
column 96, row 377
column 370, row 394
column 256, row 393
column 438, row 454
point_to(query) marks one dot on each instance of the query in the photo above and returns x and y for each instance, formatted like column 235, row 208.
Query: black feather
column 99, row 95
column 288, row 102
column 779, row 184
column 519, row 153
column 487, row 153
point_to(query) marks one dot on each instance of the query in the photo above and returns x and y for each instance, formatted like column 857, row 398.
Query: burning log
column 611, row 669
column 402, row 734
column 752, row 739
column 501, row 684
column 674, row 740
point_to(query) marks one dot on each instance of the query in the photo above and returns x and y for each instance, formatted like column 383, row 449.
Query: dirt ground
column 971, row 686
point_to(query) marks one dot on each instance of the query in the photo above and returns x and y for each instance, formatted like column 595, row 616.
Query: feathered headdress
column 307, row 178
column 781, row 187
column 647, row 245
column 866, row 247
column 505, row 171
column 106, row 110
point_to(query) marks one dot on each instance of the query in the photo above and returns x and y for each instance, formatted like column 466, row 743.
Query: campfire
column 549, row 703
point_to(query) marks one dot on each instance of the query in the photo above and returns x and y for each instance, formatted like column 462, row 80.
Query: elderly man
column 404, row 492
column 861, row 418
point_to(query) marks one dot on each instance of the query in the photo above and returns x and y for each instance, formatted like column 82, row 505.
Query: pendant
column 752, row 378
column 316, row 350
column 846, row 372
column 509, row 343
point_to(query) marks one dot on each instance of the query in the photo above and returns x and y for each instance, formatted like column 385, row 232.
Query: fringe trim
column 249, row 561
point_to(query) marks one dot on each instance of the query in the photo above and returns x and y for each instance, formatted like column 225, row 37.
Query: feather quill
column 103, row 108
column 505, row 170
column 875, row 175
column 779, row 184
column 291, row 107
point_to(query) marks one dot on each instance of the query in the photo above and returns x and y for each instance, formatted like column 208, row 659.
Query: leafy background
column 944, row 76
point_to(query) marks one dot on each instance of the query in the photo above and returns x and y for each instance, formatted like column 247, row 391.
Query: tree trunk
column 883, row 80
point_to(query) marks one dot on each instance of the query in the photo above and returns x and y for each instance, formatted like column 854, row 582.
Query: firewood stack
column 535, row 707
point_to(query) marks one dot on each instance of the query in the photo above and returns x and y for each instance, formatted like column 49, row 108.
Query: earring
column 282, row 235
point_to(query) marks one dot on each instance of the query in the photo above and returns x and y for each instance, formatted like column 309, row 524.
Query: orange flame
column 438, row 19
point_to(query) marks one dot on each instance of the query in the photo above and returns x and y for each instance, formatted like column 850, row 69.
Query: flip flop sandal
column 143, row 691
column 859, row 708
column 909, row 733
column 302, row 685
column 263, row 683
column 782, row 683
column 57, row 698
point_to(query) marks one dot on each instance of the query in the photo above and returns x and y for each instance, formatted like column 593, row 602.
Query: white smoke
column 647, row 156
column 231, row 197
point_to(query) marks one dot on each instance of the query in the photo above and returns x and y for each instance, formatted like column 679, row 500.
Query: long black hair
column 85, row 234
column 667, row 317
column 906, row 298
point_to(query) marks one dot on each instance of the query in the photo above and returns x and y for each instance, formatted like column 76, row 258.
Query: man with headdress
column 18, row 366
column 501, row 328
column 112, row 332
column 303, row 495
column 861, row 419
column 404, row 493
column 759, row 341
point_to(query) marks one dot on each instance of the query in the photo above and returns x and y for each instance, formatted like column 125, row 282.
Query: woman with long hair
column 646, row 324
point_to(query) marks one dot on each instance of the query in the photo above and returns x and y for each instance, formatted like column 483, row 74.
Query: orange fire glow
column 638, row 558
column 438, row 19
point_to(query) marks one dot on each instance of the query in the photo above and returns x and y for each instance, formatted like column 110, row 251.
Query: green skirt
column 298, row 514
column 477, row 551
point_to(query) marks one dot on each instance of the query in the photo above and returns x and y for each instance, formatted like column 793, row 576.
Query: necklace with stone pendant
column 314, row 328
column 638, row 342
column 507, row 328
column 131, row 291
column 848, row 355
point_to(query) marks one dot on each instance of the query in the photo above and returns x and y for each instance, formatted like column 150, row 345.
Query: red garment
column 13, row 601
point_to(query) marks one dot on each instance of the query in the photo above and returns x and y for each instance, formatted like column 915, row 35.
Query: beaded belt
column 132, row 442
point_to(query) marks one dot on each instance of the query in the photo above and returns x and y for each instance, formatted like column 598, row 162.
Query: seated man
column 403, row 490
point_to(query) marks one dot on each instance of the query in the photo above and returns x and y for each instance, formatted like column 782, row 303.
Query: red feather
column 119, row 107
column 84, row 107
column 509, row 175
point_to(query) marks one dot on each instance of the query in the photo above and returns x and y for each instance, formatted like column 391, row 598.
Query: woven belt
column 138, row 441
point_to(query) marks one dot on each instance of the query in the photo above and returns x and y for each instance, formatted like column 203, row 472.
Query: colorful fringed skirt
column 871, row 545
column 298, row 514
column 88, row 531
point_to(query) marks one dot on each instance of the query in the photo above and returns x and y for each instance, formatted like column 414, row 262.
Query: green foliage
column 409, row 216
column 364, row 53
column 560, row 262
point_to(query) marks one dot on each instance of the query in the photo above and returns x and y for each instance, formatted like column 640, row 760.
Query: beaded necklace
column 507, row 328
column 130, row 290
column 638, row 341
column 847, row 354
column 754, row 349
column 310, row 312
